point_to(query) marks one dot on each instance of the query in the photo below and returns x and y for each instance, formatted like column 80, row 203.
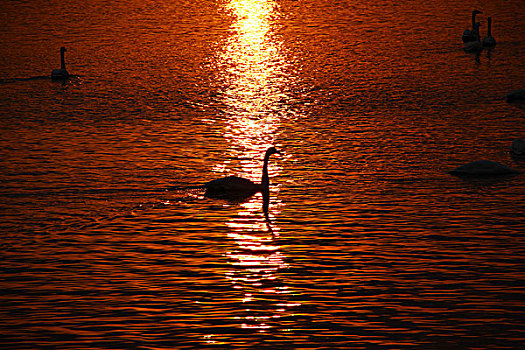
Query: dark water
column 106, row 245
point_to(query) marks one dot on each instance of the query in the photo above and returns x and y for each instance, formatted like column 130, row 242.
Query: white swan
column 489, row 40
column 61, row 73
column 474, row 46
column 483, row 168
column 234, row 187
column 473, row 34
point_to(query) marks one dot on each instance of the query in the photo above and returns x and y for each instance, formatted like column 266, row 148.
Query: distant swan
column 489, row 40
column 471, row 35
column 234, row 187
column 483, row 168
column 474, row 46
column 517, row 147
column 516, row 96
column 61, row 73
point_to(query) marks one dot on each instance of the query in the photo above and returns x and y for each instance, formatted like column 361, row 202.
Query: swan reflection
column 256, row 261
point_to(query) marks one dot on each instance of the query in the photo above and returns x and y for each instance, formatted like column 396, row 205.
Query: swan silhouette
column 471, row 35
column 483, row 168
column 516, row 96
column 234, row 187
column 62, row 73
column 474, row 46
column 489, row 40
column 517, row 148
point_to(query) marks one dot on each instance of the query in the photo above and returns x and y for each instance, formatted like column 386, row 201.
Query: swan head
column 476, row 12
column 63, row 49
column 272, row 150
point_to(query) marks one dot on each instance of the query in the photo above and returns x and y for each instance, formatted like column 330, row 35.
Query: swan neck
column 62, row 60
column 489, row 27
column 265, row 181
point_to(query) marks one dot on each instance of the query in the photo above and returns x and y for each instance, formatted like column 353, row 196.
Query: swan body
column 517, row 147
column 483, row 168
column 234, row 187
column 62, row 73
column 468, row 35
column 516, row 96
column 489, row 40
column 475, row 45
column 473, row 34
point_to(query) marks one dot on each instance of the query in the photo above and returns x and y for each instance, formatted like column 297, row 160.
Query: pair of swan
column 472, row 38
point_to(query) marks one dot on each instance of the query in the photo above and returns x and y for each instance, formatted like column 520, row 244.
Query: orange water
column 106, row 244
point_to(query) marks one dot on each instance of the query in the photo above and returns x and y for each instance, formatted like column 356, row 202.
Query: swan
column 235, row 187
column 61, row 73
column 474, row 46
column 483, row 168
column 517, row 147
column 516, row 96
column 489, row 40
column 471, row 35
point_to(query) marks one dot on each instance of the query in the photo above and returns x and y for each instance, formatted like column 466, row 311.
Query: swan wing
column 59, row 74
column 231, row 186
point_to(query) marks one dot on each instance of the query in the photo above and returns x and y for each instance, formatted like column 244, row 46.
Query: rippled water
column 108, row 244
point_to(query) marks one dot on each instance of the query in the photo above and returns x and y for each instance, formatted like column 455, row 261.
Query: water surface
column 107, row 244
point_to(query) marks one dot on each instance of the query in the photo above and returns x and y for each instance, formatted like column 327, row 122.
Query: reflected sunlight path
column 253, row 79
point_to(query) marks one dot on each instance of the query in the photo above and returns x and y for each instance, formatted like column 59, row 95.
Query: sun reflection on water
column 256, row 262
column 250, row 65
column 253, row 83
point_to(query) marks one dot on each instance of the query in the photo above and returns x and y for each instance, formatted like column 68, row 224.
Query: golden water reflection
column 251, row 68
column 256, row 261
